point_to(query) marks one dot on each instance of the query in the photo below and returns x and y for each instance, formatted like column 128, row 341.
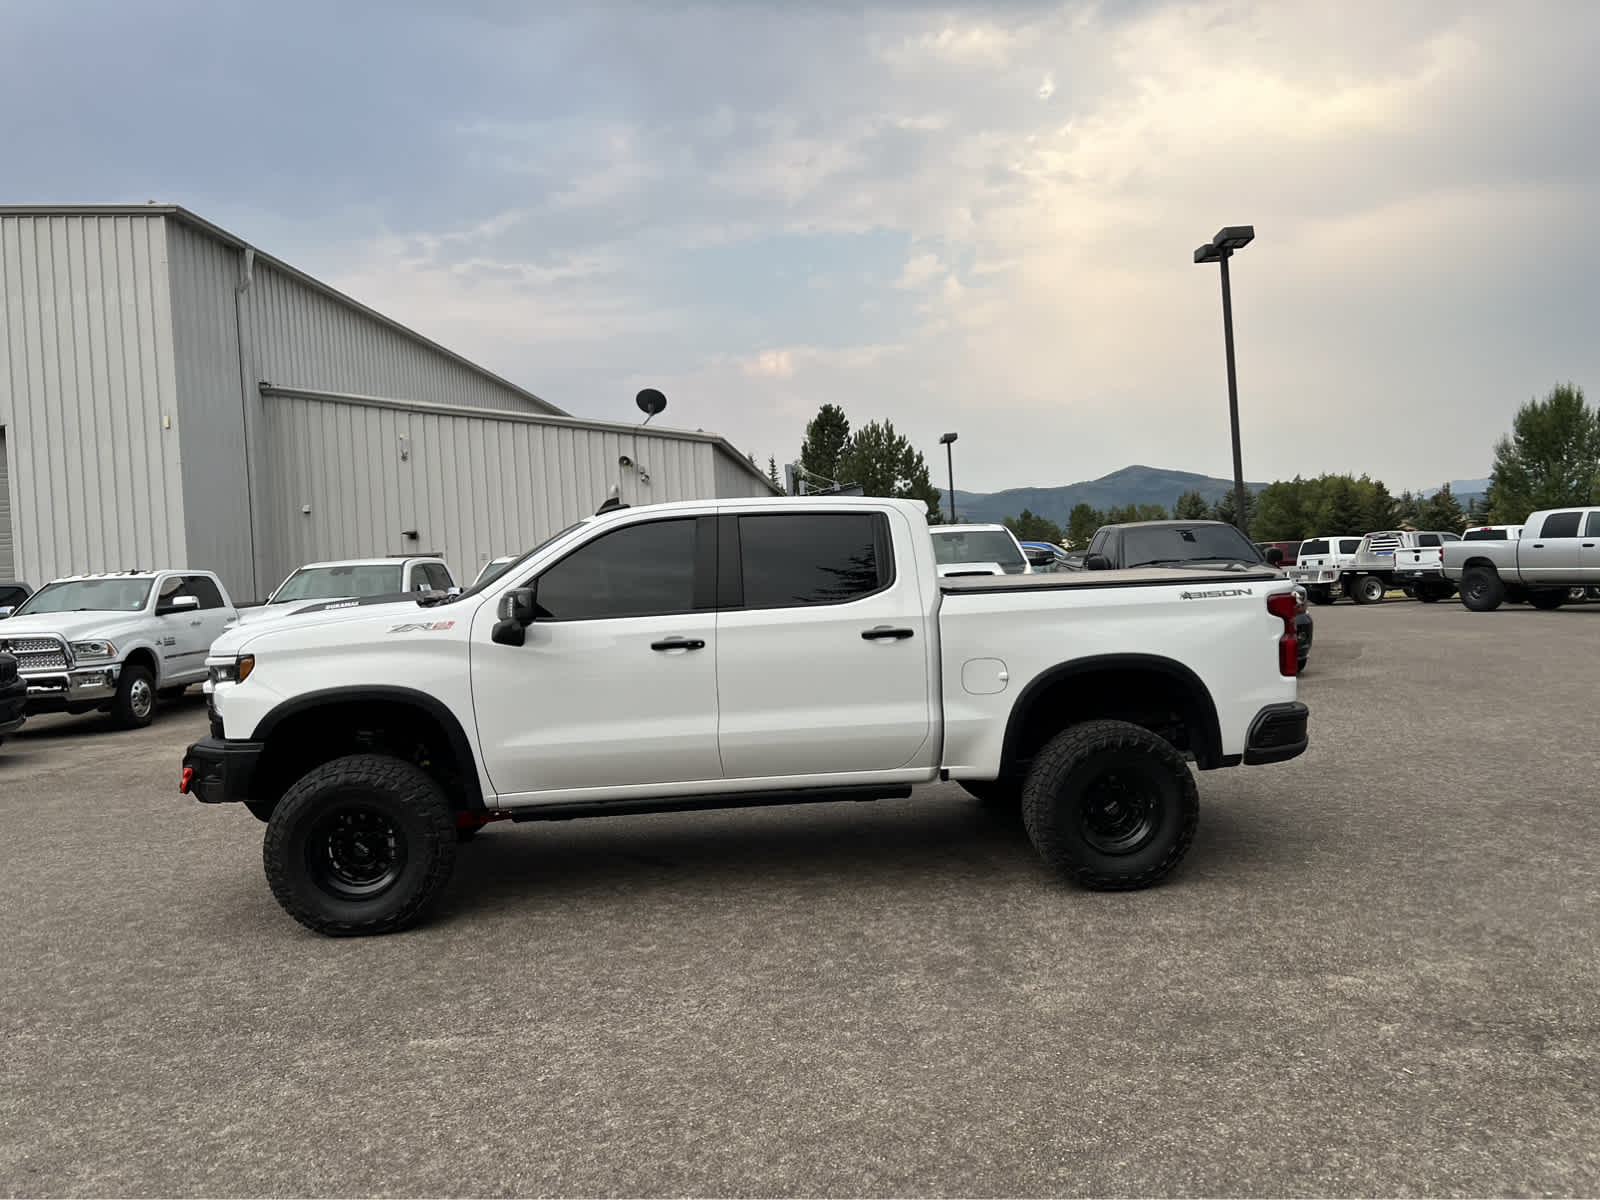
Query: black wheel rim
column 355, row 852
column 1476, row 589
column 1121, row 811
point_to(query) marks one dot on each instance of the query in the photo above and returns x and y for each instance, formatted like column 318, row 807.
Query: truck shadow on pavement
column 49, row 727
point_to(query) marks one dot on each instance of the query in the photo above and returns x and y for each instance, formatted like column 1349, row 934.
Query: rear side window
column 1349, row 545
column 1427, row 539
column 799, row 559
column 1561, row 524
column 1316, row 546
column 1591, row 528
column 201, row 587
column 1485, row 535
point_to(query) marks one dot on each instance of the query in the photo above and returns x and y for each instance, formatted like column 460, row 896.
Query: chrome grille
column 36, row 653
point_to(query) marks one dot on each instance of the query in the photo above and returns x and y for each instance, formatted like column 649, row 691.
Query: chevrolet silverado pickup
column 1558, row 550
column 740, row 652
column 115, row 642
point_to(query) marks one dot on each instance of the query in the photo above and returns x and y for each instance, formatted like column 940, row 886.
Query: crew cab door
column 1554, row 557
column 180, row 631
column 1589, row 545
column 615, row 685
column 822, row 645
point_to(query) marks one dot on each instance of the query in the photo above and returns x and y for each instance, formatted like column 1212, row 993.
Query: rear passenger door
column 1555, row 557
column 1589, row 547
column 822, row 647
column 212, row 614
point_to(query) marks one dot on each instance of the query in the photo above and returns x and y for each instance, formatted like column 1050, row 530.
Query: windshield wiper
column 1158, row 562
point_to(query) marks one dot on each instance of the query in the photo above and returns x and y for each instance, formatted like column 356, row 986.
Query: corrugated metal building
column 169, row 396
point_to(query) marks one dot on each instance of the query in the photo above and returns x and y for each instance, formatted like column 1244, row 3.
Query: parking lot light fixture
column 947, row 441
column 1219, row 250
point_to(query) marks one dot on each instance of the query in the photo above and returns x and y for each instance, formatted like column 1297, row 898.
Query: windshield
column 485, row 579
column 335, row 583
column 978, row 545
column 88, row 595
column 1173, row 545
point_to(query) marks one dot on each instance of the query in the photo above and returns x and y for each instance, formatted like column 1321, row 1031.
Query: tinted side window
column 1591, row 527
column 11, row 597
column 810, row 558
column 1349, row 545
column 200, row 586
column 637, row 571
column 1561, row 524
column 438, row 578
column 1317, row 546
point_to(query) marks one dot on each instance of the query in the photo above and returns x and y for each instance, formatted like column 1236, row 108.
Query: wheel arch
column 1060, row 690
column 143, row 655
column 385, row 704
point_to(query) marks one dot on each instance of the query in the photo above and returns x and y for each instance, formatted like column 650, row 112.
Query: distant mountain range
column 1131, row 485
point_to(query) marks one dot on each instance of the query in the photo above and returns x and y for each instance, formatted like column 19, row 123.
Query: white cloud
column 1047, row 88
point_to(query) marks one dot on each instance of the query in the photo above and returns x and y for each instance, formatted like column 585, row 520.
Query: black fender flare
column 455, row 735
column 1206, row 738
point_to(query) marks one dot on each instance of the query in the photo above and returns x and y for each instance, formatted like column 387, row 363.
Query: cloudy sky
column 979, row 219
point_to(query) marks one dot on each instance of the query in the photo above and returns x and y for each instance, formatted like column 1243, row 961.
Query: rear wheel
column 1482, row 589
column 360, row 845
column 1110, row 805
column 1548, row 598
column 1368, row 589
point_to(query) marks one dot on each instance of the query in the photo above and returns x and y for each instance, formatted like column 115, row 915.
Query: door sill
column 568, row 810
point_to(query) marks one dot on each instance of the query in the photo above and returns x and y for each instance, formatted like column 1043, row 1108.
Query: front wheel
column 360, row 845
column 135, row 704
column 1110, row 805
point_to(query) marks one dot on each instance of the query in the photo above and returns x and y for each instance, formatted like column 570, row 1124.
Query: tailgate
column 1419, row 560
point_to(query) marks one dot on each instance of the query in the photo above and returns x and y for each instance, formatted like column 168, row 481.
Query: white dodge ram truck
column 116, row 642
column 740, row 652
column 1558, row 550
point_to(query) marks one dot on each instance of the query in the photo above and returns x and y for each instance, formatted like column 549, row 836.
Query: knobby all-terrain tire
column 134, row 705
column 1548, row 598
column 1482, row 589
column 1110, row 805
column 360, row 845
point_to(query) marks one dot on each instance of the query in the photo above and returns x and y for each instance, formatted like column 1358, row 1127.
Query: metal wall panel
column 8, row 568
column 472, row 486
column 87, row 394
column 733, row 477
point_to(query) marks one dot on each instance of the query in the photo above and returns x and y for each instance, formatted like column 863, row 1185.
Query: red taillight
column 1283, row 605
column 183, row 783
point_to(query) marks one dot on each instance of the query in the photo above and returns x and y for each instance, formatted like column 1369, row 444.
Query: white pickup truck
column 352, row 579
column 116, row 642
column 741, row 652
column 1558, row 550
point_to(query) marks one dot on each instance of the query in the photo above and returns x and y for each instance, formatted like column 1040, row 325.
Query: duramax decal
column 1218, row 592
column 422, row 626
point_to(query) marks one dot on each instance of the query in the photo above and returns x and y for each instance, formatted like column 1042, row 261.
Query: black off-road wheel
column 360, row 846
column 1110, row 805
column 1482, row 589
column 1548, row 598
column 135, row 704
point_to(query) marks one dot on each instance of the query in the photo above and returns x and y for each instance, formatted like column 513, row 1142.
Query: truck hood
column 75, row 626
column 381, row 609
column 257, row 613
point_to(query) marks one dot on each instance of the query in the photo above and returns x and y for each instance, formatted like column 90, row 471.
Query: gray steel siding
column 733, row 480
column 203, row 275
column 473, row 487
column 86, row 380
column 8, row 569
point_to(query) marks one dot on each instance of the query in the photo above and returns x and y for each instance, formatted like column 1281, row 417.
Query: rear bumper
column 1278, row 734
column 216, row 771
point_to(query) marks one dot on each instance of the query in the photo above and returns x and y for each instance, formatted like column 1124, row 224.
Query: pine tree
column 885, row 463
column 827, row 435
column 772, row 472
column 1191, row 506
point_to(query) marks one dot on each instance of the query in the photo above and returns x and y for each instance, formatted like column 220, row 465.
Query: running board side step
column 571, row 809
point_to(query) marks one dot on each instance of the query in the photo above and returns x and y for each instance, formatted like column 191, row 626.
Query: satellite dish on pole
column 650, row 402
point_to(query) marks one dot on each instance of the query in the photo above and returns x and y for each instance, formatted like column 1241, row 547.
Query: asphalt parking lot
column 1376, row 973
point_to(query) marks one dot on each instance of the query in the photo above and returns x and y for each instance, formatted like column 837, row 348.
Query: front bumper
column 1278, row 734
column 216, row 771
column 48, row 690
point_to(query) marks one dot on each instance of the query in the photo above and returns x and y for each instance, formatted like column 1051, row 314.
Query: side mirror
column 178, row 604
column 4, row 613
column 516, row 613
column 452, row 591
column 1097, row 562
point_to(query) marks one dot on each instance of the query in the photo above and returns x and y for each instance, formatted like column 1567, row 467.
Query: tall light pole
column 947, row 441
column 1219, row 250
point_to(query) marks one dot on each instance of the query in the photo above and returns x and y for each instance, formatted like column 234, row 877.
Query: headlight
column 93, row 650
column 235, row 672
